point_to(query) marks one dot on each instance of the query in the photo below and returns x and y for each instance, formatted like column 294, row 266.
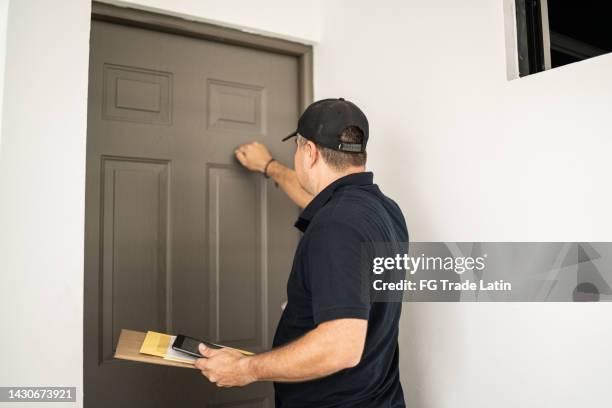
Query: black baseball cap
column 324, row 121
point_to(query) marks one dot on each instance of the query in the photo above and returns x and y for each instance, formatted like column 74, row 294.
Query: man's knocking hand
column 224, row 367
column 254, row 156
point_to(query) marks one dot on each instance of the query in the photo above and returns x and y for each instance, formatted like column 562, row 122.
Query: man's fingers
column 241, row 156
column 244, row 147
column 206, row 351
column 201, row 364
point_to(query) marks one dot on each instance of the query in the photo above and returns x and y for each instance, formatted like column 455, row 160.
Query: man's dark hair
column 341, row 160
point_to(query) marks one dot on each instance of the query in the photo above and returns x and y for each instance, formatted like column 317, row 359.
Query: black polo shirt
column 326, row 284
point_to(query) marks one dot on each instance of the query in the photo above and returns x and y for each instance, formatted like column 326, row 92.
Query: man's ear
column 312, row 154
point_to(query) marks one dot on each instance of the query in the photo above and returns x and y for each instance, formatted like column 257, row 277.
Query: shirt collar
column 354, row 179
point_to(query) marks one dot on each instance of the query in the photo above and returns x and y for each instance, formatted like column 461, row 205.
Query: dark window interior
column 579, row 29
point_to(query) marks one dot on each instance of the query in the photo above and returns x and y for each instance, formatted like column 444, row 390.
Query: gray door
column 179, row 238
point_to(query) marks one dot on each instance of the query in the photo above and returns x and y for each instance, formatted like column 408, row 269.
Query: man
column 333, row 347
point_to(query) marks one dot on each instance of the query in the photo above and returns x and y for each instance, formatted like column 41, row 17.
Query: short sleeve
column 334, row 273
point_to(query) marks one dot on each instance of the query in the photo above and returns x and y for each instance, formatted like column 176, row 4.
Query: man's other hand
column 224, row 367
column 254, row 156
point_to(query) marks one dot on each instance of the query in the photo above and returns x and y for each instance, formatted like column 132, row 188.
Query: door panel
column 134, row 219
column 237, row 269
column 179, row 237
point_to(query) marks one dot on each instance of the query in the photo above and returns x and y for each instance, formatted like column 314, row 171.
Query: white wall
column 471, row 156
column 42, row 187
column 3, row 25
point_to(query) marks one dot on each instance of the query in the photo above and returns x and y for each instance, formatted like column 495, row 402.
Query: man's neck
column 332, row 176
